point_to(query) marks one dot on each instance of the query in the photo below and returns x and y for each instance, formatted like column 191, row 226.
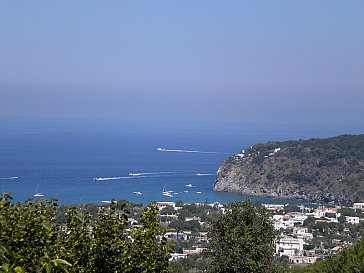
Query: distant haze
column 223, row 61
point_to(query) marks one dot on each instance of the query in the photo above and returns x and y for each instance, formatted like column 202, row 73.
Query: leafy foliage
column 32, row 240
column 146, row 254
column 241, row 240
column 28, row 236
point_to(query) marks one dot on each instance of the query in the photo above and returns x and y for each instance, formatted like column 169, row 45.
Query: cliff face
column 315, row 170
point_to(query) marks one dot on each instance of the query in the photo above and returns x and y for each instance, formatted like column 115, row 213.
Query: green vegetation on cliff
column 321, row 170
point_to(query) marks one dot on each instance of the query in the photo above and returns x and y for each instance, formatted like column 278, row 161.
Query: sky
column 191, row 61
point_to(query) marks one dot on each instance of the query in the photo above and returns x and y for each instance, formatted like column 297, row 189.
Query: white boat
column 168, row 193
column 189, row 185
column 137, row 192
column 198, row 192
column 37, row 193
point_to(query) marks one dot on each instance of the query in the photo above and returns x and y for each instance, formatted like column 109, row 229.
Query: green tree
column 178, row 225
column 147, row 254
column 179, row 203
column 342, row 219
column 175, row 267
column 292, row 208
column 28, row 235
column 192, row 225
column 241, row 240
column 347, row 212
column 31, row 239
column 201, row 264
column 168, row 210
column 109, row 241
column 75, row 242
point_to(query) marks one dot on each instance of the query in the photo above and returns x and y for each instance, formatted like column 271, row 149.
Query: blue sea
column 90, row 162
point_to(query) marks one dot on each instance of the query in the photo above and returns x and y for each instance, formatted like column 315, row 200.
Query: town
column 304, row 233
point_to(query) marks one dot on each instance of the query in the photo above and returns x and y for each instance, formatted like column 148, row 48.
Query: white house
column 303, row 233
column 163, row 204
column 321, row 211
column 282, row 221
column 273, row 207
column 298, row 217
column 289, row 246
column 177, row 256
column 354, row 220
column 358, row 206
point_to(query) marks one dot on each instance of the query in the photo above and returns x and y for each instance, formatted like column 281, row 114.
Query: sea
column 94, row 161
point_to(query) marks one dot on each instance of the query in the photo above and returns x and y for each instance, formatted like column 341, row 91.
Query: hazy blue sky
column 242, row 61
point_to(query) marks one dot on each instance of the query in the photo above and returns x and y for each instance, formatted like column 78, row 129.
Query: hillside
column 315, row 170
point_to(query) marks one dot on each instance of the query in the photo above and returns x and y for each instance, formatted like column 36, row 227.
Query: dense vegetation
column 33, row 240
column 241, row 240
column 320, row 170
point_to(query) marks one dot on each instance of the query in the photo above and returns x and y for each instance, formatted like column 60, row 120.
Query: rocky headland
column 314, row 170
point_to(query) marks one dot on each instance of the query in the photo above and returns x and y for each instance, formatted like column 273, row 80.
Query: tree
column 75, row 243
column 292, row 208
column 342, row 219
column 179, row 203
column 147, row 254
column 178, row 225
column 168, row 210
column 241, row 240
column 32, row 240
column 201, row 264
column 192, row 225
column 109, row 245
column 347, row 212
column 28, row 236
column 175, row 267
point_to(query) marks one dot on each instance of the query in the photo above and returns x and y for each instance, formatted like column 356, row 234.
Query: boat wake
column 189, row 151
column 152, row 175
column 133, row 176
column 112, row 178
column 145, row 174
column 204, row 174
column 9, row 178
